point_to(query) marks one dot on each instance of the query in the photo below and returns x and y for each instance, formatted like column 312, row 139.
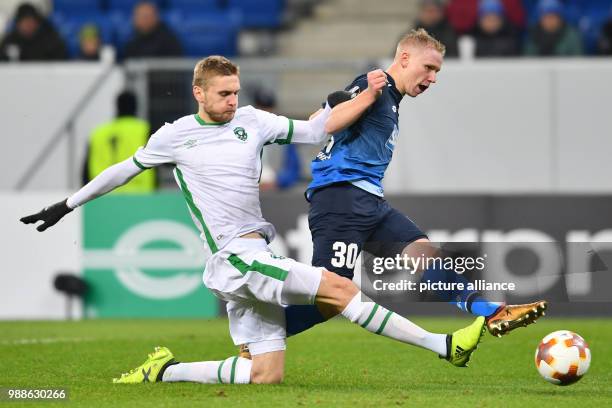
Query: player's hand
column 336, row 98
column 50, row 215
column 377, row 80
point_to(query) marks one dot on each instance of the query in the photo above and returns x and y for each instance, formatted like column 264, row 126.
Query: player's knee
column 421, row 248
column 342, row 289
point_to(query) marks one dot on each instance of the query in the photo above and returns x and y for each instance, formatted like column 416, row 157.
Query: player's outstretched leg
column 161, row 366
column 500, row 318
column 509, row 317
column 339, row 292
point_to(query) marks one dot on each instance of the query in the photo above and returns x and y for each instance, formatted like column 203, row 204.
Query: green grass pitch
column 335, row 364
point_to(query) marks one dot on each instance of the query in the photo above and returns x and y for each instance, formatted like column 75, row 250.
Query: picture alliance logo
column 130, row 258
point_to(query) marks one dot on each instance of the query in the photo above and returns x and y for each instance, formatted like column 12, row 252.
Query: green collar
column 205, row 123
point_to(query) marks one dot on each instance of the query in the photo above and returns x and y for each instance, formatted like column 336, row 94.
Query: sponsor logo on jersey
column 392, row 139
column 241, row 134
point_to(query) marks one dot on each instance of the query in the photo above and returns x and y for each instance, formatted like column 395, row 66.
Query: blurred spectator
column 33, row 38
column 117, row 141
column 494, row 35
column 432, row 18
column 89, row 43
column 289, row 170
column 152, row 38
column 8, row 8
column 552, row 35
column 463, row 14
column 604, row 43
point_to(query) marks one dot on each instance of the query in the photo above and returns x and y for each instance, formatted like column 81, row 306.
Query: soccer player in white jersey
column 217, row 157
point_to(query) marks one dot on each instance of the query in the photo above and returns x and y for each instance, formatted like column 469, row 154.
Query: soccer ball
column 562, row 357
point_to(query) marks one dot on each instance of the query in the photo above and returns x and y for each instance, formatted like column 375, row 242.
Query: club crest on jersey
column 241, row 134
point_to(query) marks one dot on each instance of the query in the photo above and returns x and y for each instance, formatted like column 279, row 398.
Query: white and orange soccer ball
column 563, row 357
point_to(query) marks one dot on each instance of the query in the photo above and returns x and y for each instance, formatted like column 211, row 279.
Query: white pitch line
column 49, row 340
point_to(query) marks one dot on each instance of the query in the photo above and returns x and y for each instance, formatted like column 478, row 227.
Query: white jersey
column 218, row 167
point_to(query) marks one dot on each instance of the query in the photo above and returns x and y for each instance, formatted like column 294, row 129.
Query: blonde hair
column 212, row 66
column 420, row 38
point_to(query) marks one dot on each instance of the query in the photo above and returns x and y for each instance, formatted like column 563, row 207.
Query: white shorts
column 257, row 285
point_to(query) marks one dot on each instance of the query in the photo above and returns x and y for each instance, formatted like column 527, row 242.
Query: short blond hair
column 420, row 38
column 212, row 66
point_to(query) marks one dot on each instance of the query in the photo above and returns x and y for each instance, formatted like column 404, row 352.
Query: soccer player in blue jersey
column 347, row 206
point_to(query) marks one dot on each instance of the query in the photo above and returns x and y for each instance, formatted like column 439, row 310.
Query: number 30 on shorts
column 344, row 255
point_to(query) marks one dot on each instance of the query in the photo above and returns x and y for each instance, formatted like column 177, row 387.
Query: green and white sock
column 233, row 370
column 376, row 319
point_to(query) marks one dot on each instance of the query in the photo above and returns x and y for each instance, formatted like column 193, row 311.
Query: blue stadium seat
column 207, row 33
column 573, row 13
column 586, row 15
column 216, row 41
column 178, row 19
column 590, row 25
column 126, row 6
column 573, row 10
column 122, row 28
column 187, row 6
column 259, row 13
column 68, row 7
column 530, row 7
column 69, row 26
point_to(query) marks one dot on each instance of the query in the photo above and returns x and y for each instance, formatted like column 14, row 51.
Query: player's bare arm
column 345, row 114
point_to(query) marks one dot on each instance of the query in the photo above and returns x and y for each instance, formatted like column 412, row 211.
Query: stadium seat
column 586, row 15
column 206, row 33
column 177, row 19
column 573, row 11
column 122, row 28
column 126, row 6
column 590, row 25
column 69, row 26
column 259, row 13
column 215, row 41
column 195, row 5
column 69, row 7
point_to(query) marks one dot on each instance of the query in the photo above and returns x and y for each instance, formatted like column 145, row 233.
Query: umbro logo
column 190, row 143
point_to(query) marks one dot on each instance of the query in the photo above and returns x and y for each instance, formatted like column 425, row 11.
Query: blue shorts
column 342, row 218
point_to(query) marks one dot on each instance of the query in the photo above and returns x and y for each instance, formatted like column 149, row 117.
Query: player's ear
column 198, row 93
column 404, row 58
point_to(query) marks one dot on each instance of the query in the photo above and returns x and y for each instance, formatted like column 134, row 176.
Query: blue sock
column 299, row 318
column 482, row 307
column 467, row 300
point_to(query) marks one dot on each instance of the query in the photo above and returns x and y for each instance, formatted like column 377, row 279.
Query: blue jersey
column 361, row 153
